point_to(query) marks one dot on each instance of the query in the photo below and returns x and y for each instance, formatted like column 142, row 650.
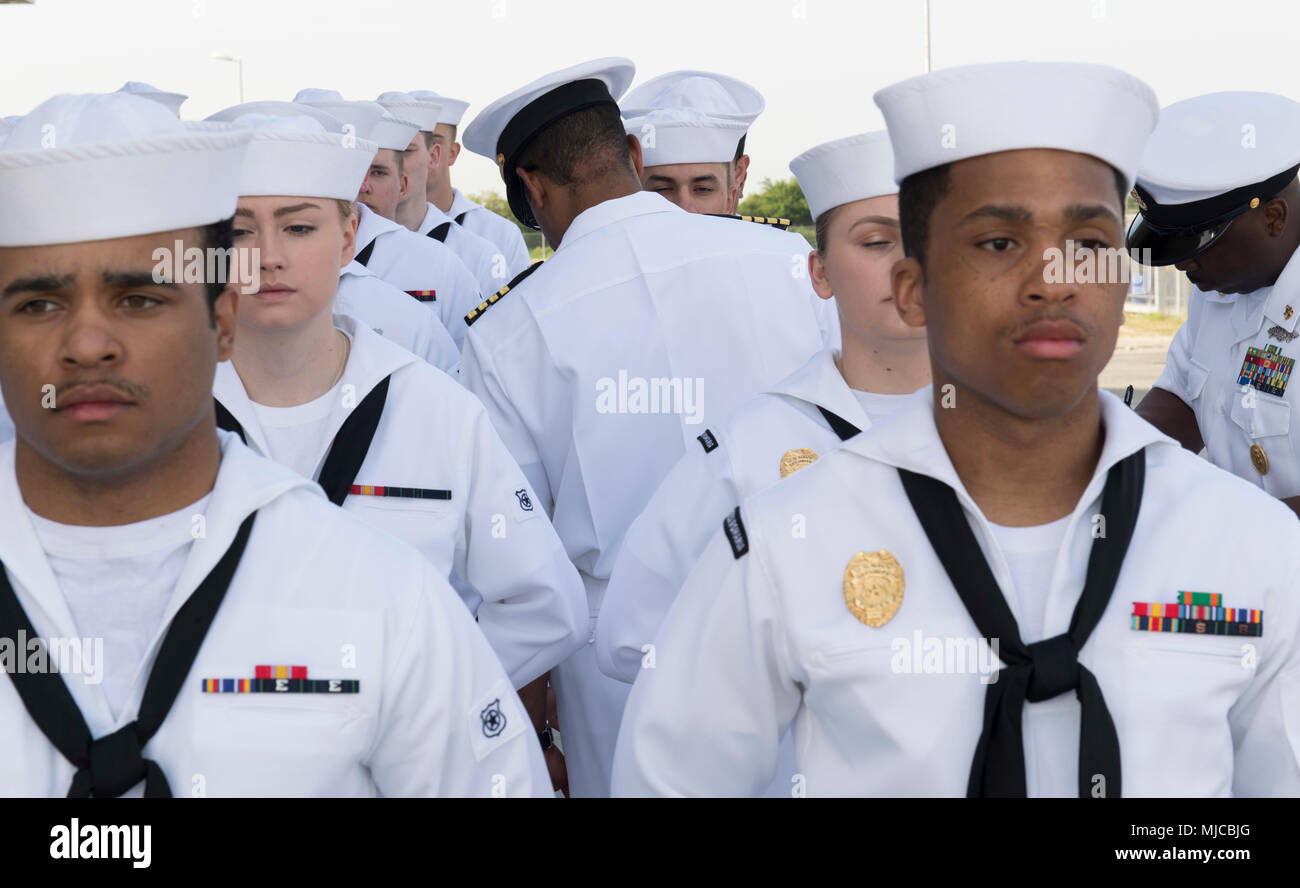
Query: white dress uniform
column 1246, row 427
column 437, row 476
column 482, row 257
column 1231, row 361
column 396, row 317
column 764, row 641
column 800, row 419
column 421, row 266
column 304, row 594
column 505, row 234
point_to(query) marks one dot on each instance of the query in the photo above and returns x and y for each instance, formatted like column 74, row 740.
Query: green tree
column 497, row 204
column 782, row 198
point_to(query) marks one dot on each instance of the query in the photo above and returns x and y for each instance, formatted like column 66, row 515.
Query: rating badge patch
column 1266, row 369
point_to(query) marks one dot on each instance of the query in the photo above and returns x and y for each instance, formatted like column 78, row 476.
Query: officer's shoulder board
column 477, row 312
column 734, row 528
column 782, row 224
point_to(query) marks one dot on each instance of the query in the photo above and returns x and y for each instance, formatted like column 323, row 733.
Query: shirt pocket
column 1269, row 417
column 431, row 526
column 1197, row 374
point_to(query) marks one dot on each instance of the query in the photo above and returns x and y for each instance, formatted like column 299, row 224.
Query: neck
column 588, row 194
column 167, row 484
column 411, row 213
column 288, row 367
column 440, row 195
column 1020, row 472
column 886, row 367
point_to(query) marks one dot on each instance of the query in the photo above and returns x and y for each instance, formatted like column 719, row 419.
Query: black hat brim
column 1155, row 246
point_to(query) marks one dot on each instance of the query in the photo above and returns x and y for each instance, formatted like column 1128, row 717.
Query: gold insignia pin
column 1259, row 459
column 501, row 164
column 1286, row 315
column 794, row 460
column 1138, row 200
column 1254, row 202
column 873, row 587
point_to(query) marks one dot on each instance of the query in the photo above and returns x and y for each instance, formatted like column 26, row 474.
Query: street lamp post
column 225, row 58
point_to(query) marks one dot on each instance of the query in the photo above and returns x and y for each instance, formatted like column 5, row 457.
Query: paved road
column 1138, row 361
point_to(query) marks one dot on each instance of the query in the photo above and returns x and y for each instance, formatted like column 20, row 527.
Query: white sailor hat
column 506, row 127
column 1211, row 159
column 298, row 156
column 452, row 109
column 714, row 94
column 329, row 123
column 170, row 100
column 424, row 113
column 958, row 113
column 369, row 120
column 7, row 125
column 846, row 170
column 93, row 167
column 682, row 135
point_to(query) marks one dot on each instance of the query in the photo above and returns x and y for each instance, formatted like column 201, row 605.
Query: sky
column 817, row 62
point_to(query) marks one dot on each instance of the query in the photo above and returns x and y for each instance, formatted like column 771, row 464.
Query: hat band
column 546, row 109
column 1199, row 214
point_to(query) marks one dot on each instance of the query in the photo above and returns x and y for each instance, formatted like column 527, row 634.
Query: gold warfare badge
column 794, row 460
column 873, row 587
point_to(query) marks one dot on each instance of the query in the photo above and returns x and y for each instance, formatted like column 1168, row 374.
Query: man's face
column 416, row 162
column 1002, row 325
column 695, row 187
column 385, row 184
column 131, row 361
column 1238, row 262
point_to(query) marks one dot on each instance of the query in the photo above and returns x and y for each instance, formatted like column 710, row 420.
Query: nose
column 90, row 341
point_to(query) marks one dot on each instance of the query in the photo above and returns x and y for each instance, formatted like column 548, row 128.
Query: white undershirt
column 1031, row 556
column 118, row 582
column 296, row 436
column 874, row 404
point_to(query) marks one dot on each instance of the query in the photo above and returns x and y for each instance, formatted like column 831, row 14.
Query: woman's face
column 862, row 245
column 301, row 244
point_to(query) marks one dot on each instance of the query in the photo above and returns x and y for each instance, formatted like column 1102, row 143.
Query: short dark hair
column 580, row 146
column 921, row 192
column 453, row 128
column 740, row 149
column 218, row 236
column 428, row 139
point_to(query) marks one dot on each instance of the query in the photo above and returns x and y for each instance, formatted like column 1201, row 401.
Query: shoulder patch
column 783, row 224
column 483, row 306
column 707, row 441
column 735, row 531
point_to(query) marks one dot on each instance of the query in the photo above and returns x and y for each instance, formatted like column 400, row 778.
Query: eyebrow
column 1084, row 212
column 282, row 211
column 38, row 284
column 1005, row 212
column 658, row 178
column 126, row 279
column 876, row 220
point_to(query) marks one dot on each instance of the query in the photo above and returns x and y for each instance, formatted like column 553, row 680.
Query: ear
column 742, row 168
column 534, row 188
column 401, row 194
column 817, row 272
column 435, row 156
column 349, row 240
column 225, row 312
column 1275, row 217
column 634, row 151
column 907, row 281
column 454, row 153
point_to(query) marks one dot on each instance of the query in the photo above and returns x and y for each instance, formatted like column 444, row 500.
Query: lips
column 92, row 403
column 274, row 291
column 1051, row 340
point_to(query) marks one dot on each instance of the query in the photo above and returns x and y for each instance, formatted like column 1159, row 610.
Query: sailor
column 1013, row 585
column 481, row 256
column 450, row 200
column 602, row 364
column 362, row 294
column 426, row 269
column 692, row 127
column 223, row 586
column 1219, row 200
column 851, row 192
column 387, row 437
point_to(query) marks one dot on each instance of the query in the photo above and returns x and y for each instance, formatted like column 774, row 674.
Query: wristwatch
column 546, row 738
